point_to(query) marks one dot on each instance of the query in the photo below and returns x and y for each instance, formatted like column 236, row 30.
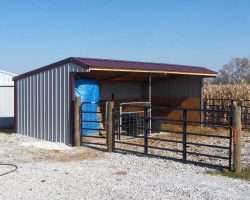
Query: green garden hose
column 12, row 165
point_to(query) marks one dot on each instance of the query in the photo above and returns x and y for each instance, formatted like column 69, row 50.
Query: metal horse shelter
column 44, row 97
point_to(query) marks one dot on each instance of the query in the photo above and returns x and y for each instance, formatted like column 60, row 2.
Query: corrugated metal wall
column 121, row 90
column 6, row 100
column 6, row 107
column 179, row 86
column 43, row 104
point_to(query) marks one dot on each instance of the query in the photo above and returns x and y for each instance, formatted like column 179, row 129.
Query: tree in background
column 235, row 71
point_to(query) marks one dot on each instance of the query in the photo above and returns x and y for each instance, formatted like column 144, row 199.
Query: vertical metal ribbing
column 48, row 107
column 37, row 106
column 43, row 104
column 55, row 105
column 63, row 103
column 30, row 121
column 23, row 106
column 67, row 105
column 26, row 103
column 19, row 104
column 184, row 135
column 59, row 105
column 33, row 105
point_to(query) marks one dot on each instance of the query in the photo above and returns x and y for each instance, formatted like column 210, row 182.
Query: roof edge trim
column 50, row 66
column 9, row 73
column 155, row 71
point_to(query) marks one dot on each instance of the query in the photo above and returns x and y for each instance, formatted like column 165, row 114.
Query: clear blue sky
column 193, row 32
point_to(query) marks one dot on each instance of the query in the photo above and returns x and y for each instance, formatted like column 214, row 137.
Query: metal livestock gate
column 179, row 139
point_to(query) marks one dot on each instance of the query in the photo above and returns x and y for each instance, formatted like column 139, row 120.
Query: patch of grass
column 244, row 175
column 7, row 131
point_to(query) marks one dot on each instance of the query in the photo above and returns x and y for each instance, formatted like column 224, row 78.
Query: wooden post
column 109, row 124
column 77, row 136
column 237, row 139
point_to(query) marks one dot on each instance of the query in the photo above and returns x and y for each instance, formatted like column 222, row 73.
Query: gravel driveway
column 106, row 176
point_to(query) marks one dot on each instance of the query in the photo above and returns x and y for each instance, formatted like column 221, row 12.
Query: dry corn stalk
column 233, row 91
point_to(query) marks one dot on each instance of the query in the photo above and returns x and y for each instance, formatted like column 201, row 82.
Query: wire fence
column 227, row 105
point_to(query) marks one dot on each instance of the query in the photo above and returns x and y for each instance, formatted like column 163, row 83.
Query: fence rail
column 166, row 132
column 177, row 139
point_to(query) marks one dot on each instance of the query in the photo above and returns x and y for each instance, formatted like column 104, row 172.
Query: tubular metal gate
column 227, row 104
column 94, row 122
column 176, row 134
column 127, row 118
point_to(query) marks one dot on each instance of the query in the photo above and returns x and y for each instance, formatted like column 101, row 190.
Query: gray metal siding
column 43, row 104
column 182, row 86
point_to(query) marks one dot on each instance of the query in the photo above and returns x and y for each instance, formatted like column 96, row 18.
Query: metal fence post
column 205, row 113
column 231, row 106
column 106, row 117
column 120, row 122
column 146, row 130
column 113, row 128
column 77, row 136
column 237, row 139
column 109, row 137
column 184, row 135
column 213, row 114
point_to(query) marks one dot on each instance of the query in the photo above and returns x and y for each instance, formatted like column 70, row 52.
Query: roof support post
column 150, row 100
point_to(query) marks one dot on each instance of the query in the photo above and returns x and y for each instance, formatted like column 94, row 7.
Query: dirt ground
column 49, row 170
column 13, row 149
column 154, row 142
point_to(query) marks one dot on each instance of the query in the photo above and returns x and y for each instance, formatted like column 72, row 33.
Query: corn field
column 232, row 91
column 222, row 97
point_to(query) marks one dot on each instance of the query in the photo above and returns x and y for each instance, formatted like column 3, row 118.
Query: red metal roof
column 120, row 65
column 143, row 66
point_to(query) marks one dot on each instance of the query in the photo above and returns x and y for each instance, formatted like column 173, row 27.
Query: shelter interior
column 168, row 90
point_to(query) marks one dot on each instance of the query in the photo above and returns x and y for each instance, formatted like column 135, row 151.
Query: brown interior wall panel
column 176, row 102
